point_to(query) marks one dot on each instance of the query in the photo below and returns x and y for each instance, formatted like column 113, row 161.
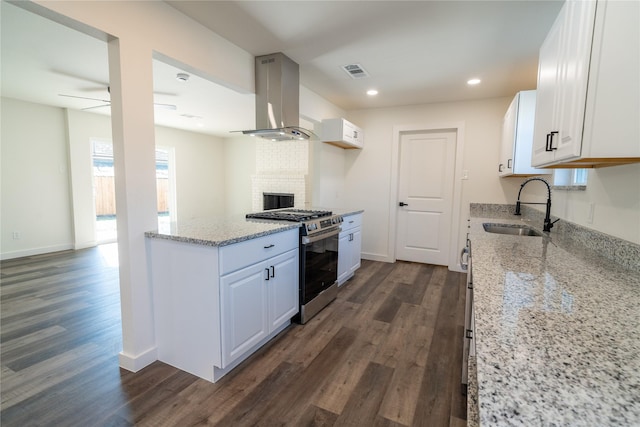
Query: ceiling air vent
column 355, row 71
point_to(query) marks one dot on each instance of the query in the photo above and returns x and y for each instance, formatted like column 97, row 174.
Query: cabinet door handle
column 500, row 167
column 549, row 146
column 546, row 147
column 509, row 163
column 403, row 204
column 269, row 246
column 273, row 272
column 463, row 252
column 267, row 270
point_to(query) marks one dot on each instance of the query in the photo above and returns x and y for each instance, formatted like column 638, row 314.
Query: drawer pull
column 269, row 246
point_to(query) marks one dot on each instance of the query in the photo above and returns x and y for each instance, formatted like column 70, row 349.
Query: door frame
column 458, row 128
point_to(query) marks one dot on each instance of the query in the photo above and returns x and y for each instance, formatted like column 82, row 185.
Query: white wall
column 136, row 31
column 35, row 180
column 327, row 176
column 368, row 171
column 326, row 162
column 82, row 127
column 240, row 158
column 47, row 191
column 615, row 195
column 200, row 171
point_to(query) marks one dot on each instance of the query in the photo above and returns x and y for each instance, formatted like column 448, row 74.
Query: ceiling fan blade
column 165, row 106
column 96, row 106
column 84, row 97
column 77, row 77
column 164, row 93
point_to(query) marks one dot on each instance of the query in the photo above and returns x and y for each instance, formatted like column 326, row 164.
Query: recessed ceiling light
column 473, row 81
column 182, row 77
column 372, row 92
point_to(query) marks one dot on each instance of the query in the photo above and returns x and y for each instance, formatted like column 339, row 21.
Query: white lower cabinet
column 214, row 306
column 349, row 247
column 255, row 301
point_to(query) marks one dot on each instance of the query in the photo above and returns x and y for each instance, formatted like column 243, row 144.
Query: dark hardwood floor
column 387, row 352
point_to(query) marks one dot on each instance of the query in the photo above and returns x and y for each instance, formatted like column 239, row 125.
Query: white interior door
column 425, row 189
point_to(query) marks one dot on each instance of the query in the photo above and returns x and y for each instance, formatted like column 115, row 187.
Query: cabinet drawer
column 351, row 221
column 243, row 254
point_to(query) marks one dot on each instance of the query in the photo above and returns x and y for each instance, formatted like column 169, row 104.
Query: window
column 579, row 177
column 105, row 190
column 570, row 179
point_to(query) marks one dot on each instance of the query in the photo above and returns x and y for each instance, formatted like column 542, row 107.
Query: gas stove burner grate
column 293, row 215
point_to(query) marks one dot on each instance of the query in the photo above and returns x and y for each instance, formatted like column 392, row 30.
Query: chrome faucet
column 547, row 219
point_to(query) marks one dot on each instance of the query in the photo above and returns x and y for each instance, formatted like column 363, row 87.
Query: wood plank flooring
column 387, row 352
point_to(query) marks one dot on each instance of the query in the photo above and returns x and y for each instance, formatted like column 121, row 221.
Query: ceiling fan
column 107, row 102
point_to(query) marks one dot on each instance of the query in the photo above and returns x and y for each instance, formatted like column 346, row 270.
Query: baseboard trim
column 35, row 251
column 376, row 257
column 135, row 363
column 85, row 245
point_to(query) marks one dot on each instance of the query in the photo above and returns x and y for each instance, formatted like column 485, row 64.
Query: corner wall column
column 132, row 121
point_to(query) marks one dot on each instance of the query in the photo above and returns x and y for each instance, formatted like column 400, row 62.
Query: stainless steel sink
column 512, row 229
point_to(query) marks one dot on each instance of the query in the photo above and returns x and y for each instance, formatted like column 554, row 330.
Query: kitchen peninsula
column 221, row 289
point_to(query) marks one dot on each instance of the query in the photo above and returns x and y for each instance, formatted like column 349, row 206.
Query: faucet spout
column 547, row 219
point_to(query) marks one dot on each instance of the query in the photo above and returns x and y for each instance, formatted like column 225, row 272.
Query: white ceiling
column 415, row 52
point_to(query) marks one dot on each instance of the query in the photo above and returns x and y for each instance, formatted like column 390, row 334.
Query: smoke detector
column 182, row 77
column 355, row 71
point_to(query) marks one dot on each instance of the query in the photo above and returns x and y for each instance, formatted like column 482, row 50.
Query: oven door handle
column 306, row 240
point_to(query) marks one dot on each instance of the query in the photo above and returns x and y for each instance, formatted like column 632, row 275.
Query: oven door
column 318, row 264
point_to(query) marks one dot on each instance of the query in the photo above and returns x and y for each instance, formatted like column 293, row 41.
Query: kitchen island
column 556, row 328
column 222, row 288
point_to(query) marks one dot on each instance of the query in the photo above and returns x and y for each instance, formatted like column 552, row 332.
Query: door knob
column 403, row 204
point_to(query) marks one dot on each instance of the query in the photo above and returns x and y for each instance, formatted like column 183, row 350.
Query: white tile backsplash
column 286, row 157
column 282, row 167
column 276, row 183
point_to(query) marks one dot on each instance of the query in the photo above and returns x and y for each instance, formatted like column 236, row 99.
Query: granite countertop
column 347, row 212
column 556, row 332
column 222, row 231
column 219, row 231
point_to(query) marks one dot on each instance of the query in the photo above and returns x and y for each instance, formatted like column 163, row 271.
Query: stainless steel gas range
column 318, row 256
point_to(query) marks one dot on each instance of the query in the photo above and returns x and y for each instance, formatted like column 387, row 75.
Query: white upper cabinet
column 342, row 133
column 588, row 87
column 517, row 137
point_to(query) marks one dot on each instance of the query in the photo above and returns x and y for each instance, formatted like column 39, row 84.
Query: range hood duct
column 278, row 99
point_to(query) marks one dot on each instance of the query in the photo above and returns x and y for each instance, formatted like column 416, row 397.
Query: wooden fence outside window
column 105, row 194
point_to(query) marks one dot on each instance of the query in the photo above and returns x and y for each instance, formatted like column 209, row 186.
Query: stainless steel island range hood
column 278, row 99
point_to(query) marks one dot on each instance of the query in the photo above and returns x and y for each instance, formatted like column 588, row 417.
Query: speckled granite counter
column 219, row 231
column 347, row 212
column 557, row 332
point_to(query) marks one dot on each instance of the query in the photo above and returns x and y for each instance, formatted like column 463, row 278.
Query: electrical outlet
column 465, row 174
column 592, row 208
column 16, row 235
